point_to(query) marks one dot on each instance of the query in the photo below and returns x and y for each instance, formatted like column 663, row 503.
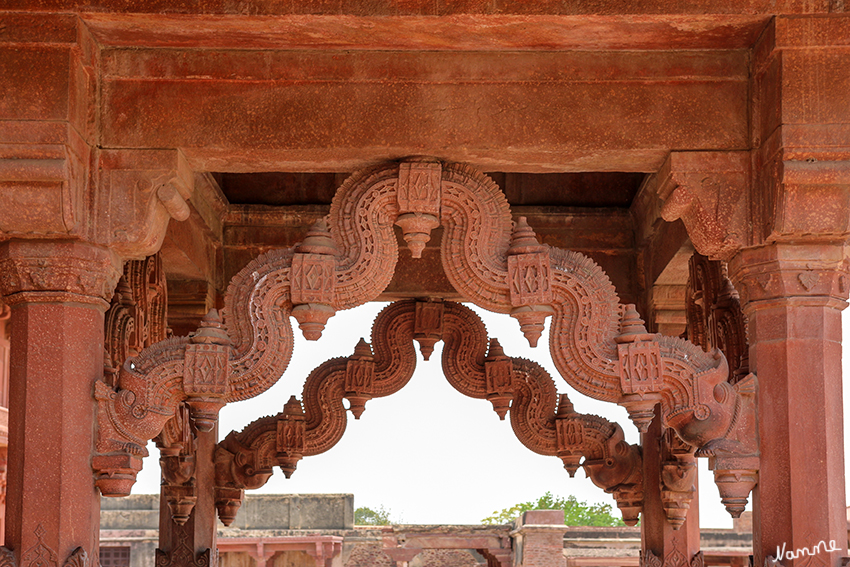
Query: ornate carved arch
column 599, row 346
column 475, row 366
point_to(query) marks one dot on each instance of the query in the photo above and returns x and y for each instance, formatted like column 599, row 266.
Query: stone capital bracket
column 709, row 192
column 136, row 193
column 803, row 274
column 118, row 199
column 60, row 271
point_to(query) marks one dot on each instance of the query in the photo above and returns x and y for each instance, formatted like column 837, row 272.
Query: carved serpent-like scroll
column 473, row 365
column 599, row 346
column 243, row 354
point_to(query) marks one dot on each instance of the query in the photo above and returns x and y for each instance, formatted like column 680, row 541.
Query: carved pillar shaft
column 58, row 295
column 194, row 542
column 673, row 548
column 793, row 296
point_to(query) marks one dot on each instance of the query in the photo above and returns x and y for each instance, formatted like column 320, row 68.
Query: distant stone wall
column 367, row 554
column 258, row 512
column 448, row 558
column 538, row 539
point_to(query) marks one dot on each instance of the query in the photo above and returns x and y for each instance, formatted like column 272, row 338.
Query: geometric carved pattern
column 419, row 187
column 312, row 278
column 182, row 555
column 245, row 459
column 39, row 555
column 641, row 367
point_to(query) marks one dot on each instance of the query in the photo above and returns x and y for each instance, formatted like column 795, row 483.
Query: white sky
column 429, row 454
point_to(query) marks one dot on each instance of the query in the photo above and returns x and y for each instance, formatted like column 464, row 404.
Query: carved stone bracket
column 598, row 346
column 714, row 314
column 136, row 316
column 708, row 191
column 473, row 365
column 610, row 462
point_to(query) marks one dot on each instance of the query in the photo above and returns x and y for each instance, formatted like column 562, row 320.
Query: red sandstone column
column 793, row 296
column 672, row 547
column 186, row 545
column 58, row 293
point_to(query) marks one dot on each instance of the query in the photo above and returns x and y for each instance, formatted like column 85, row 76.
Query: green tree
column 364, row 516
column 576, row 513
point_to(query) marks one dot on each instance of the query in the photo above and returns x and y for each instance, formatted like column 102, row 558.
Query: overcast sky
column 428, row 454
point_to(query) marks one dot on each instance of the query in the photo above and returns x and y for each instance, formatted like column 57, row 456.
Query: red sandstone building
column 214, row 168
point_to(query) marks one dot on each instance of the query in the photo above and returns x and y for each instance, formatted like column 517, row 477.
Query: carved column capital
column 62, row 271
column 709, row 192
column 816, row 274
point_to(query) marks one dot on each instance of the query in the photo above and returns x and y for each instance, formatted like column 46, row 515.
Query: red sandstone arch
column 475, row 366
column 600, row 347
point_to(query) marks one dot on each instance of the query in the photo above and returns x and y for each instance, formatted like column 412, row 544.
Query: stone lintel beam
column 709, row 192
column 308, row 111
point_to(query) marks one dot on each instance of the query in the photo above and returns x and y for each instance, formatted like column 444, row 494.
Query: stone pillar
column 661, row 543
column 539, row 539
column 58, row 293
column 792, row 296
column 193, row 543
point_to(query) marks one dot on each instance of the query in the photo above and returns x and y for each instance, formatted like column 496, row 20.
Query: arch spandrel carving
column 539, row 416
column 599, row 346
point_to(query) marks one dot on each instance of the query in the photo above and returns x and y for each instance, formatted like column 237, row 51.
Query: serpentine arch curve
column 599, row 346
column 544, row 421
